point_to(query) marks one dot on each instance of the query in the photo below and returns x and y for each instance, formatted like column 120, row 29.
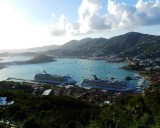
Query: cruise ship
column 54, row 79
column 109, row 84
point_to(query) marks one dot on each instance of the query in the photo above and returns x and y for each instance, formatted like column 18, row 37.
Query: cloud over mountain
column 117, row 16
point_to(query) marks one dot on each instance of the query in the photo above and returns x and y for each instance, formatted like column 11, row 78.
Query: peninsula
column 41, row 58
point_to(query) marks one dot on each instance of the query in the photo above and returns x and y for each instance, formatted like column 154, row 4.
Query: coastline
column 23, row 63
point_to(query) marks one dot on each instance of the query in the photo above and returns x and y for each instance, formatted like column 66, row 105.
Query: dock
column 19, row 79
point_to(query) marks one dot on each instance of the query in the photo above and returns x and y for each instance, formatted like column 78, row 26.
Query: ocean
column 78, row 69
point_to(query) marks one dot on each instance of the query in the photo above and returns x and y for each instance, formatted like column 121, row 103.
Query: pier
column 19, row 79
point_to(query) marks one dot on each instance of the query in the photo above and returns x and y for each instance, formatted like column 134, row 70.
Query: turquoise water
column 78, row 69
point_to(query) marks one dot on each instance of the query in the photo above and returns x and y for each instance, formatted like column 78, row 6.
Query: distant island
column 41, row 58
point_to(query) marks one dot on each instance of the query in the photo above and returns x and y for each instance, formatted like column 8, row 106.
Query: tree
column 31, row 123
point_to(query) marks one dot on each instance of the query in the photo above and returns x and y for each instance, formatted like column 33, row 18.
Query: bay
column 78, row 69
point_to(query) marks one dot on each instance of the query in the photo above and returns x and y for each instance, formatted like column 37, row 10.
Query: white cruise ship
column 107, row 84
column 54, row 79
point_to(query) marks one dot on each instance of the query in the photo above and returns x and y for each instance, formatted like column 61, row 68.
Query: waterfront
column 78, row 69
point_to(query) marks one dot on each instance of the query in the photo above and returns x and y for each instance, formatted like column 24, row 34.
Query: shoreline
column 86, row 71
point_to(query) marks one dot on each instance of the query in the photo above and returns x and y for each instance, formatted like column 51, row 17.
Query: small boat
column 137, row 76
column 107, row 84
column 54, row 79
column 141, row 82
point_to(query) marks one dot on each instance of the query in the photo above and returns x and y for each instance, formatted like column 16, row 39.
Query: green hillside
column 129, row 44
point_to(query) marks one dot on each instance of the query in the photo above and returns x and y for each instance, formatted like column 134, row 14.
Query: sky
column 35, row 23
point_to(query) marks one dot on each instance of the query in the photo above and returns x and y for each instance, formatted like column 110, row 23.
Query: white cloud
column 117, row 16
column 147, row 13
column 62, row 27
column 88, row 12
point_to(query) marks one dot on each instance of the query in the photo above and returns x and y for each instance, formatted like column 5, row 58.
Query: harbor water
column 78, row 69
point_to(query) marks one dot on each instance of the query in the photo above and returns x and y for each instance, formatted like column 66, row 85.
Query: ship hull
column 54, row 79
column 110, row 86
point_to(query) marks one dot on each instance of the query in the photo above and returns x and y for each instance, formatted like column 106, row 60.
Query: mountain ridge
column 129, row 44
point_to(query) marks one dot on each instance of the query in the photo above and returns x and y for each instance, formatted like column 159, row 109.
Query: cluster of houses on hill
column 144, row 64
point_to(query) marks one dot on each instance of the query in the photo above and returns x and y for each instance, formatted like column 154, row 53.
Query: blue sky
column 32, row 23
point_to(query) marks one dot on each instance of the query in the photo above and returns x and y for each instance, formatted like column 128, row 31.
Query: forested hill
column 129, row 44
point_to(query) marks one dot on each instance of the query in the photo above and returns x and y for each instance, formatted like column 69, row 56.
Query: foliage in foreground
column 136, row 111
column 45, row 111
column 131, row 112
